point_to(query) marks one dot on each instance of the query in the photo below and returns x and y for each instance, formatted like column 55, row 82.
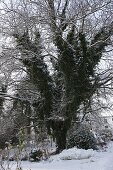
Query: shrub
column 106, row 135
column 36, row 155
column 81, row 137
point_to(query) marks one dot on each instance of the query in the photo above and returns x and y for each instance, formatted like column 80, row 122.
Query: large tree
column 78, row 49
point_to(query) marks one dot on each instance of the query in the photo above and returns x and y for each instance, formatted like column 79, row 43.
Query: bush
column 36, row 155
column 106, row 135
column 81, row 137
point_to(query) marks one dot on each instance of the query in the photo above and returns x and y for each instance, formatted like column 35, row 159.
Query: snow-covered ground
column 74, row 159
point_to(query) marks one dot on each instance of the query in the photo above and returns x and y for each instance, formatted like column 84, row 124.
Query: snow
column 73, row 154
column 80, row 160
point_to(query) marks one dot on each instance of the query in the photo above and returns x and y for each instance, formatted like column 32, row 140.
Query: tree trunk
column 60, row 128
column 61, row 140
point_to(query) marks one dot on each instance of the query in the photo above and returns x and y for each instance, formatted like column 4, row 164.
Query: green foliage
column 106, row 135
column 81, row 137
column 37, row 72
column 21, row 139
column 36, row 155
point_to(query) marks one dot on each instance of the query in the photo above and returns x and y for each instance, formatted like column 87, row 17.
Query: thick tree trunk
column 61, row 140
column 60, row 128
